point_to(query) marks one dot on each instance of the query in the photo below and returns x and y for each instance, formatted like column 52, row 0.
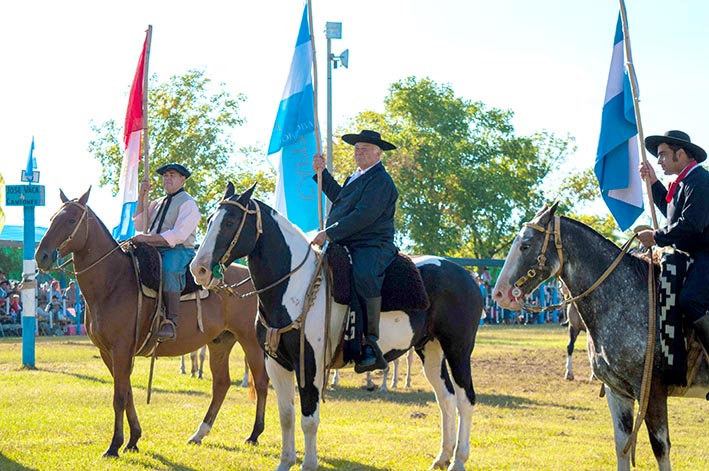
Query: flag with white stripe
column 617, row 158
column 294, row 137
column 132, row 133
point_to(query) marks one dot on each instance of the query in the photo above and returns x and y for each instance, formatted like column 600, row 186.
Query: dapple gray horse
column 615, row 314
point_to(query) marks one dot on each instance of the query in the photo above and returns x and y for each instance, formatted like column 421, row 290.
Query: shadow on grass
column 7, row 464
column 171, row 465
column 504, row 401
column 352, row 393
column 96, row 379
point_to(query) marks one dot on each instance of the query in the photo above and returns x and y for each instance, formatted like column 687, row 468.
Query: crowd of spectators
column 548, row 294
column 57, row 308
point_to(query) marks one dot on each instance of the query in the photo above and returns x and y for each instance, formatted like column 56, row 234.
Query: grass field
column 59, row 417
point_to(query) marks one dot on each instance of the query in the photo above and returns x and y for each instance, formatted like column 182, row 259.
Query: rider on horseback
column 171, row 228
column 686, row 206
column 362, row 219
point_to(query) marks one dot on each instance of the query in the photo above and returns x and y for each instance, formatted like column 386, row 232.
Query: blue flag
column 617, row 158
column 31, row 164
column 294, row 137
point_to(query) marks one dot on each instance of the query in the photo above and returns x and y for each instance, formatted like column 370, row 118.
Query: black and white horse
column 615, row 315
column 443, row 336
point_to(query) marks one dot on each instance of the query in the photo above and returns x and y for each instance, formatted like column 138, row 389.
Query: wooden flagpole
column 145, row 141
column 636, row 105
column 318, row 142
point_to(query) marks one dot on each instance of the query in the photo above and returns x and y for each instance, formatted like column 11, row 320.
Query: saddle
column 147, row 263
column 403, row 288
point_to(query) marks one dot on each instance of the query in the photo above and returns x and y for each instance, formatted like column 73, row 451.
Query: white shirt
column 187, row 220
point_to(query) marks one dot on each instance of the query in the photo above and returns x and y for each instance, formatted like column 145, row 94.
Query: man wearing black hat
column 170, row 224
column 686, row 206
column 362, row 219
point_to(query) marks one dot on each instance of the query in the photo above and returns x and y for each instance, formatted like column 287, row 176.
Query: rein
column 83, row 219
column 517, row 292
column 272, row 285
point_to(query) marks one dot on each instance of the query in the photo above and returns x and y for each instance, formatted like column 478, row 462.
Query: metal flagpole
column 636, row 105
column 318, row 142
column 145, row 142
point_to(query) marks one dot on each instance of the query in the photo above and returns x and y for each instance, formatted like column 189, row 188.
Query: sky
column 68, row 64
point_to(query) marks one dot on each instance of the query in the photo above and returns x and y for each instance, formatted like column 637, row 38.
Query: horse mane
column 637, row 261
column 283, row 222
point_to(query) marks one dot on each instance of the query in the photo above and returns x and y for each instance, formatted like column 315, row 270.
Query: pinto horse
column 615, row 315
column 108, row 281
column 282, row 263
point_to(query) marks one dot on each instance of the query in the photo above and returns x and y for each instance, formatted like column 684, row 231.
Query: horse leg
column 132, row 415
column 573, row 335
column 458, row 359
column 245, row 379
column 437, row 376
column 255, row 361
column 394, row 375
column 368, row 383
column 409, row 362
column 658, row 430
column 182, row 365
column 219, row 350
column 621, row 408
column 335, row 379
column 195, row 365
column 202, row 356
column 283, row 383
column 121, row 367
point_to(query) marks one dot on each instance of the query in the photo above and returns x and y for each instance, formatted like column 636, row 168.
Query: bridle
column 218, row 269
column 548, row 232
column 555, row 231
column 82, row 219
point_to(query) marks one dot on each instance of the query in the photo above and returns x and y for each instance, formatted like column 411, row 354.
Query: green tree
column 190, row 122
column 466, row 181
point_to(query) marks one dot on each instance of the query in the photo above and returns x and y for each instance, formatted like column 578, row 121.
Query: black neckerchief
column 162, row 210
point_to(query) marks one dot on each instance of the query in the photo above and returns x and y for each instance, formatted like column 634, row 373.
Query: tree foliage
column 190, row 122
column 466, row 181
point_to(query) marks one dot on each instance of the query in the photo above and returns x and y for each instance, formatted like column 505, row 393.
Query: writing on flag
column 132, row 134
column 618, row 156
column 294, row 138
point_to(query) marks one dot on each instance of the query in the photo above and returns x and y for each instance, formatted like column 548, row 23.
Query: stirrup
column 164, row 336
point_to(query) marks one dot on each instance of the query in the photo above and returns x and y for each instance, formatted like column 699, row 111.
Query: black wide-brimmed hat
column 677, row 138
column 372, row 137
column 176, row 167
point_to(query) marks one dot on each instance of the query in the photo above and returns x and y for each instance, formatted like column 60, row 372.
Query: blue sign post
column 27, row 196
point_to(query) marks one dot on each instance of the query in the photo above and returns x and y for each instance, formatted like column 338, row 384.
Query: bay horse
column 615, row 315
column 443, row 335
column 108, row 281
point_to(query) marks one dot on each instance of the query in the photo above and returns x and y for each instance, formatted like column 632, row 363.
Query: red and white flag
column 132, row 133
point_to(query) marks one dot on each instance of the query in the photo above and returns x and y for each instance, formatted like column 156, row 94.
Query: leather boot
column 372, row 357
column 168, row 329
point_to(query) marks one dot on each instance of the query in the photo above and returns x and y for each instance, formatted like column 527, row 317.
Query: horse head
column 232, row 232
column 65, row 233
column 534, row 257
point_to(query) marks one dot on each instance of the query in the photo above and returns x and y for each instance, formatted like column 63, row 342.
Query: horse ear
column 229, row 191
column 85, row 197
column 246, row 196
column 547, row 213
column 62, row 196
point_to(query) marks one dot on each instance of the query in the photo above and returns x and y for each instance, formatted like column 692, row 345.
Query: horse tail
column 252, row 388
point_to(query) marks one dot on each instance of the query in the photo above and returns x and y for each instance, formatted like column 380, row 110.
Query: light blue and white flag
column 294, row 137
column 617, row 158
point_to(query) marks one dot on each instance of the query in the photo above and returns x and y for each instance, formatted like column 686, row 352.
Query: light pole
column 332, row 31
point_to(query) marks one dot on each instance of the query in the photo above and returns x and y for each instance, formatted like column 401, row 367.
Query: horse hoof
column 569, row 376
column 131, row 448
column 440, row 465
column 251, row 441
column 194, row 441
column 110, row 454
